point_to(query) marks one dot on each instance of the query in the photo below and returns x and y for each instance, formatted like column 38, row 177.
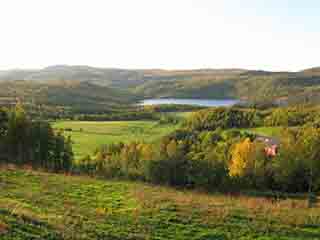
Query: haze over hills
column 70, row 85
column 109, row 76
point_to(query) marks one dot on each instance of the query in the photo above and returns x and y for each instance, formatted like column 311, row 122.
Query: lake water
column 196, row 102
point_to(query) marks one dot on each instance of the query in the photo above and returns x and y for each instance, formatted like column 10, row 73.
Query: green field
column 88, row 136
column 36, row 205
column 182, row 114
column 265, row 131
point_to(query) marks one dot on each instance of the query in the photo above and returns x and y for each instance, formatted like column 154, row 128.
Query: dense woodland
column 33, row 143
column 153, row 112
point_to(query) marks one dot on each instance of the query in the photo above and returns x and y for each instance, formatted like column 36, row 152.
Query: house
column 271, row 145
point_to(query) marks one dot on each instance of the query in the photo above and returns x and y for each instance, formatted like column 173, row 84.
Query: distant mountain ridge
column 105, row 76
column 109, row 75
column 158, row 83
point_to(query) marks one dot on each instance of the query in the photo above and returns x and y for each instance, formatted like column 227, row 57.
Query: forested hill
column 70, row 94
column 203, row 83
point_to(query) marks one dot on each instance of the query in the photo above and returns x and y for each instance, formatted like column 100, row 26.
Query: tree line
column 213, row 118
column 34, row 143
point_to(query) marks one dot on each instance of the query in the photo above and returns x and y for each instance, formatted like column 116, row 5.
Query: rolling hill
column 71, row 85
column 75, row 94
column 110, row 76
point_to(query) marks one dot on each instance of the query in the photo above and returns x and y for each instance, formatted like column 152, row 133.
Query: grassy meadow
column 88, row 136
column 265, row 131
column 36, row 205
column 182, row 114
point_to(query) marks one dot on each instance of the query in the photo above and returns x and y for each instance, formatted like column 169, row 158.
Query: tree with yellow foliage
column 240, row 158
column 245, row 158
column 146, row 152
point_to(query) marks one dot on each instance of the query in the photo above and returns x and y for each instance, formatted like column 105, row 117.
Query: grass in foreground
column 87, row 136
column 37, row 205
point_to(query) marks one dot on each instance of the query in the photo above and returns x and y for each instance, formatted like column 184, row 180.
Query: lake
column 196, row 102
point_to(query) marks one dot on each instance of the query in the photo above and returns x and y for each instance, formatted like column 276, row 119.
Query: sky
column 278, row 35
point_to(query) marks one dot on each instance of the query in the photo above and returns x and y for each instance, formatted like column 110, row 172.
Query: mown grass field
column 36, row 205
column 88, row 136
column 265, row 131
column 182, row 114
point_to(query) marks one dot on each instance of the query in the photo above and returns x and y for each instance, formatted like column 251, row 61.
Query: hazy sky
column 254, row 34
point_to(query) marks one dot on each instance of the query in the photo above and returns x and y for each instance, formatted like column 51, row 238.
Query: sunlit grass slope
column 37, row 205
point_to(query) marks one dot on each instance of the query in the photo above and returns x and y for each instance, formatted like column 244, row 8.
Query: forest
column 34, row 143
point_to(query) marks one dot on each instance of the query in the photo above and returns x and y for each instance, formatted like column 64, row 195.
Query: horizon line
column 151, row 68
